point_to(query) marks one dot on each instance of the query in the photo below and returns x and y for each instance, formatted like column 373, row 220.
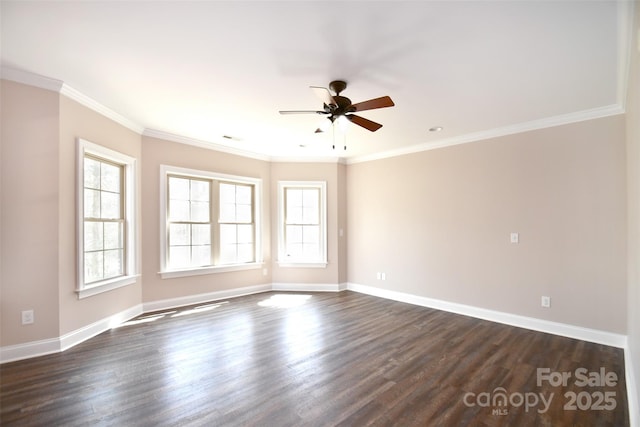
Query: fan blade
column 372, row 104
column 365, row 123
column 303, row 112
column 324, row 94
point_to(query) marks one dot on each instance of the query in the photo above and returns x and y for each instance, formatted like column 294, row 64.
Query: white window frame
column 131, row 197
column 283, row 259
column 168, row 273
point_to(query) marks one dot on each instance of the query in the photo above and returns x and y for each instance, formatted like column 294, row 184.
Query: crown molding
column 99, row 108
column 595, row 113
column 153, row 133
column 47, row 83
column 31, row 79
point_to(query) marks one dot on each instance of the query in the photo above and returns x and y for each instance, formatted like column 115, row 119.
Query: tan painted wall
column 328, row 172
column 438, row 224
column 29, row 212
column 156, row 152
column 633, row 183
column 77, row 121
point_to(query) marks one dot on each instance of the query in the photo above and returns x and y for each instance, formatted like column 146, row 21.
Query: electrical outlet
column 515, row 238
column 545, row 302
column 384, row 276
column 27, row 317
column 379, row 276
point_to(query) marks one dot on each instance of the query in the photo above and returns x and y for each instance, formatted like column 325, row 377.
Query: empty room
column 320, row 213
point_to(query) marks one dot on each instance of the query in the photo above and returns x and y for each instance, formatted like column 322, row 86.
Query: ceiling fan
column 336, row 106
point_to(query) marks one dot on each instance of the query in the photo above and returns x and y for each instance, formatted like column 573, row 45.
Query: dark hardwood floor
column 316, row 359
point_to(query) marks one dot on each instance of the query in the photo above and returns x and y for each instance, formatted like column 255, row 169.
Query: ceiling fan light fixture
column 324, row 125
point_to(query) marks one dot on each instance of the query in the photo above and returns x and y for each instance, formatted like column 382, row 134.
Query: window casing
column 210, row 222
column 302, row 219
column 107, row 244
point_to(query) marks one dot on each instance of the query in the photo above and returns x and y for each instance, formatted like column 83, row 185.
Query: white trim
column 626, row 14
column 166, row 170
column 99, row 108
column 322, row 261
column 632, row 388
column 152, row 133
column 579, row 116
column 562, row 329
column 172, row 274
column 31, row 79
column 107, row 285
column 307, row 287
column 289, row 264
column 132, row 197
column 74, row 338
column 206, row 297
column 55, row 345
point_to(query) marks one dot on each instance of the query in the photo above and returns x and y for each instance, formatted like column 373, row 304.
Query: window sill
column 107, row 285
column 170, row 274
column 302, row 264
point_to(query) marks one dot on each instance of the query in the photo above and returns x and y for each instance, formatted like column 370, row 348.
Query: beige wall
column 29, row 215
column 156, row 152
column 333, row 174
column 77, row 121
column 438, row 224
column 633, row 183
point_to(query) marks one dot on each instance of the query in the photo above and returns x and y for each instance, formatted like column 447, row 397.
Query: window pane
column 294, row 234
column 110, row 178
column 178, row 188
column 200, row 255
column 294, row 250
column 113, row 235
column 294, row 215
column 227, row 193
column 310, row 198
column 93, row 237
column 245, row 233
column 179, row 210
column 179, row 256
column 200, row 211
column 179, row 234
column 243, row 194
column 93, row 267
column 228, row 254
column 311, row 234
column 228, row 234
column 245, row 252
column 294, row 197
column 311, row 250
column 243, row 213
column 91, row 173
column 199, row 190
column 309, row 215
column 110, row 205
column 112, row 263
column 227, row 212
column 201, row 234
column 91, row 203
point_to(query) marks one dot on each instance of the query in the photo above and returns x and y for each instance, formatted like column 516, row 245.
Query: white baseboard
column 202, row 298
column 31, row 349
column 562, row 329
column 632, row 389
column 308, row 287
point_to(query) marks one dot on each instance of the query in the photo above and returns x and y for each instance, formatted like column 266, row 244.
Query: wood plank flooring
column 313, row 359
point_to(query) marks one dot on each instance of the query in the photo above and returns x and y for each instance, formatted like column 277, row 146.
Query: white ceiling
column 206, row 69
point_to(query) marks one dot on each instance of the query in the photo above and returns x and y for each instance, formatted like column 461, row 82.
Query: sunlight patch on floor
column 285, row 300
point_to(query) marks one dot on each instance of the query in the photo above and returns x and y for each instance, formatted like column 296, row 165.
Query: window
column 302, row 224
column 210, row 222
column 106, row 219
